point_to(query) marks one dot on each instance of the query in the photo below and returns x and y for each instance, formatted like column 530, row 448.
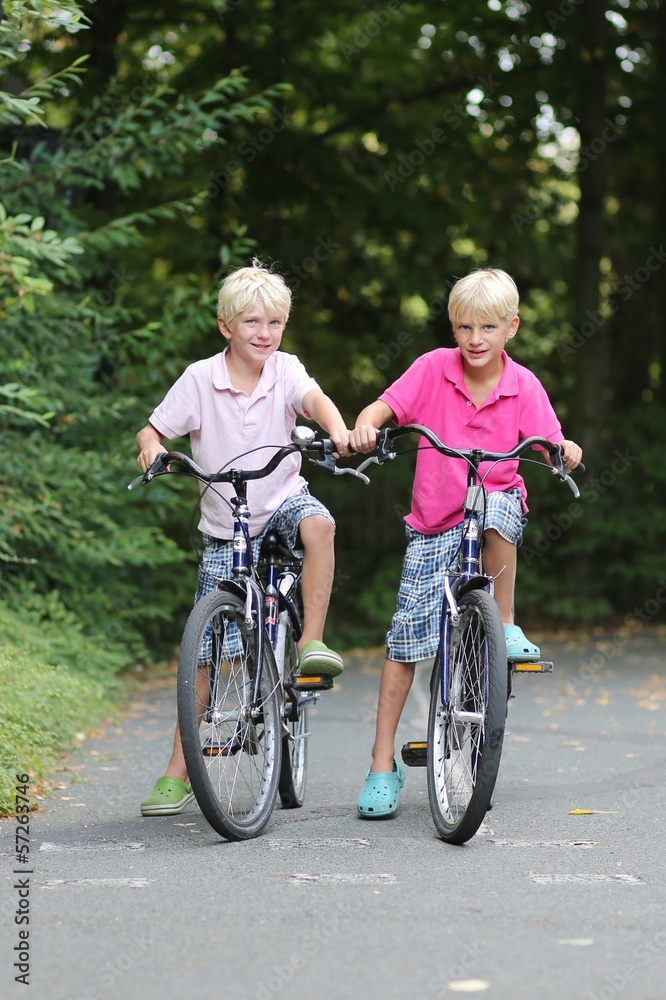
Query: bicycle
column 471, row 678
column 242, row 705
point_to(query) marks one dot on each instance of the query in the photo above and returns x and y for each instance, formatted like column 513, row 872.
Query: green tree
column 73, row 320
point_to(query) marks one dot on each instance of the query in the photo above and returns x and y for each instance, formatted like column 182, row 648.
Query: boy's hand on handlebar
column 340, row 440
column 572, row 454
column 148, row 455
column 363, row 438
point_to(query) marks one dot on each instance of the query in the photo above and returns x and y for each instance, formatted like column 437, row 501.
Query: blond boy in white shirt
column 242, row 399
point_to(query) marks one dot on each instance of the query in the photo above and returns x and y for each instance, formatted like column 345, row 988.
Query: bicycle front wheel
column 293, row 772
column 232, row 743
column 465, row 733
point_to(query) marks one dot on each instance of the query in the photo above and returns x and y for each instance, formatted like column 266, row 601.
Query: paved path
column 542, row 903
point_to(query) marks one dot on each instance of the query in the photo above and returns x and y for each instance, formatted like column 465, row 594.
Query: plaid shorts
column 218, row 555
column 414, row 632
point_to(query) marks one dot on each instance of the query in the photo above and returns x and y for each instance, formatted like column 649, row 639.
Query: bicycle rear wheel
column 465, row 737
column 232, row 747
column 293, row 772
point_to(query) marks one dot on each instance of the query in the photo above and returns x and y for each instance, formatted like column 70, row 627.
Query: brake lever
column 328, row 462
column 372, row 460
column 156, row 469
column 384, row 454
column 566, row 478
column 347, row 470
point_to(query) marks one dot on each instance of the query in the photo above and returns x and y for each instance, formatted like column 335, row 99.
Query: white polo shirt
column 224, row 422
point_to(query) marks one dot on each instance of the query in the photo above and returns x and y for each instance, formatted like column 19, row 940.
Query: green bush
column 56, row 682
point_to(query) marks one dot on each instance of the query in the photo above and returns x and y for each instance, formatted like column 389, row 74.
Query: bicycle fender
column 232, row 587
column 460, row 586
column 284, row 604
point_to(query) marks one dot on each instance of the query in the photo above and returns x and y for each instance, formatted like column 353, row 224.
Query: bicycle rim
column 232, row 747
column 465, row 736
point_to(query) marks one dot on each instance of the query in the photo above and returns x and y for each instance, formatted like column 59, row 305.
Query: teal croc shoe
column 316, row 658
column 379, row 797
column 518, row 647
column 168, row 798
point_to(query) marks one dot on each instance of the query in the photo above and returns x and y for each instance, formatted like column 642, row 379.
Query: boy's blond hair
column 488, row 293
column 241, row 289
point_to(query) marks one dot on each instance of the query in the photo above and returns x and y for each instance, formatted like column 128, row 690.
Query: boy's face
column 254, row 334
column 481, row 340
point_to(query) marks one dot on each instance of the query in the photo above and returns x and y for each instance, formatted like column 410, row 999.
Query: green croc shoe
column 379, row 797
column 316, row 658
column 168, row 798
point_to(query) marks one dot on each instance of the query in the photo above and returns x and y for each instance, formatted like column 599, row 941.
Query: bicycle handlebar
column 475, row 456
column 303, row 440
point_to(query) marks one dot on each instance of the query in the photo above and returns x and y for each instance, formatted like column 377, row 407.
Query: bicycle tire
column 465, row 738
column 233, row 758
column 293, row 773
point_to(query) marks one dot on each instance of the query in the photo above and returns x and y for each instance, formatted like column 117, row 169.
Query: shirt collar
column 508, row 383
column 267, row 380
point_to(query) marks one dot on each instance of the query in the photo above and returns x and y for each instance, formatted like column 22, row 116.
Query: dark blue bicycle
column 242, row 706
column 471, row 678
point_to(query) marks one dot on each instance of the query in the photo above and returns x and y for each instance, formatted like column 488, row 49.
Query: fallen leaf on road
column 588, row 812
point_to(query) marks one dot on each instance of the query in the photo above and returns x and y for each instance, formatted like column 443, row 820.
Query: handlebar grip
column 557, row 458
column 159, row 465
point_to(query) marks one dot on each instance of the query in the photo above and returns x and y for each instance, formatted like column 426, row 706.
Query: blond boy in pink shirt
column 245, row 398
column 471, row 396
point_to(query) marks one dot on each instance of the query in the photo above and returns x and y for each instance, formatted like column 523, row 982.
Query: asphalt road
column 543, row 903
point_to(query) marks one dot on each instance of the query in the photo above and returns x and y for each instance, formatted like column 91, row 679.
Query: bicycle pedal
column 531, row 666
column 415, row 754
column 211, row 749
column 317, row 682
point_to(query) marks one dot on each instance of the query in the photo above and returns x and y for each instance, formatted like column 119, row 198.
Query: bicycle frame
column 471, row 675
column 267, row 600
column 242, row 719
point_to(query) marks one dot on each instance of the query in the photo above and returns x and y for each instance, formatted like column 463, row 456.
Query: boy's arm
column 368, row 422
column 149, row 442
column 322, row 409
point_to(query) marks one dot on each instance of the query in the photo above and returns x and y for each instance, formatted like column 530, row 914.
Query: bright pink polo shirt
column 223, row 422
column 433, row 392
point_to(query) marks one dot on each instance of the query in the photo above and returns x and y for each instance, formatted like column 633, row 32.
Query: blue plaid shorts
column 414, row 632
column 217, row 559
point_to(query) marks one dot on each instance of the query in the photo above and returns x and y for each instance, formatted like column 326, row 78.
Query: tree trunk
column 592, row 355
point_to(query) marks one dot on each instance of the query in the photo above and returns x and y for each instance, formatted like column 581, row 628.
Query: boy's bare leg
column 317, row 535
column 499, row 561
column 394, row 687
column 176, row 767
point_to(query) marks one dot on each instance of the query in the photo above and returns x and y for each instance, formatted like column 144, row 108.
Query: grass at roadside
column 55, row 684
